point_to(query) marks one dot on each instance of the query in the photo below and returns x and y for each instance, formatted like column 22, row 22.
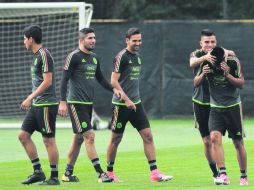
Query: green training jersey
column 201, row 94
column 129, row 66
column 223, row 93
column 43, row 63
column 82, row 68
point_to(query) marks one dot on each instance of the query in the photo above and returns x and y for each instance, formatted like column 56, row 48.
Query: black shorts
column 227, row 119
column 121, row 115
column 201, row 114
column 41, row 119
column 80, row 115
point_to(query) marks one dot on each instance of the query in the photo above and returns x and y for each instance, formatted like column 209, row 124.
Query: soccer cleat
column 50, row 181
column 70, row 178
column 156, row 175
column 244, row 181
column 113, row 176
column 35, row 177
column 222, row 179
column 104, row 178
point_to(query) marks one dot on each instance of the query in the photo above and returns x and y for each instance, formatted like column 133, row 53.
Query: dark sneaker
column 35, row 177
column 104, row 178
column 70, row 178
column 50, row 181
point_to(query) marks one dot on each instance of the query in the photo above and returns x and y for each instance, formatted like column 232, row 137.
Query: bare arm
column 199, row 78
column 238, row 82
column 47, row 82
column 196, row 61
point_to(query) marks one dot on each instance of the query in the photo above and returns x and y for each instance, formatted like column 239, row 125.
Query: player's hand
column 208, row 57
column 130, row 104
column 62, row 109
column 118, row 93
column 228, row 53
column 206, row 69
column 26, row 104
column 225, row 68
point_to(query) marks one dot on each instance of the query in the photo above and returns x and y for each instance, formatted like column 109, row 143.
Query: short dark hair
column 35, row 32
column 207, row 32
column 83, row 32
column 131, row 32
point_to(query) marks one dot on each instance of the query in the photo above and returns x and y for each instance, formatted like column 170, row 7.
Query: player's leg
column 201, row 114
column 27, row 129
column 217, row 129
column 75, row 146
column 236, row 132
column 120, row 116
column 81, row 119
column 72, row 157
column 93, row 156
column 46, row 117
column 242, row 160
column 140, row 121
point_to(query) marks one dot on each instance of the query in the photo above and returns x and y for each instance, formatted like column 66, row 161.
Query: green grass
column 179, row 153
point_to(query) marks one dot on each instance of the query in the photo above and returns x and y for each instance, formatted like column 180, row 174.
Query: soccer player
column 126, row 76
column 201, row 94
column 82, row 69
column 42, row 108
column 225, row 81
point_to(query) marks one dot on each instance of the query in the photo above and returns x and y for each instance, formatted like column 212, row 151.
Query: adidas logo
column 83, row 60
column 239, row 133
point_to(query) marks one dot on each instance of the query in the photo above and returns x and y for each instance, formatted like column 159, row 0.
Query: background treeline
column 167, row 9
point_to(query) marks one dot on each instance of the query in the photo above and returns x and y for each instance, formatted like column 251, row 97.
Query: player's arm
column 46, row 83
column 229, row 53
column 68, row 70
column 62, row 109
column 201, row 76
column 115, row 83
column 105, row 83
column 238, row 82
column 196, row 61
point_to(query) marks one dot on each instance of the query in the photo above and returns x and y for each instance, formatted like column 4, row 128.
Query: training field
column 179, row 153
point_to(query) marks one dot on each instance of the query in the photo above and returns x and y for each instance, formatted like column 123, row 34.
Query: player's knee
column 89, row 137
column 207, row 142
column 49, row 142
column 238, row 144
column 148, row 138
column 215, row 140
column 116, row 139
column 23, row 138
column 79, row 139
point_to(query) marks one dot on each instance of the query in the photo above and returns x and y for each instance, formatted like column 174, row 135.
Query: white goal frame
column 85, row 10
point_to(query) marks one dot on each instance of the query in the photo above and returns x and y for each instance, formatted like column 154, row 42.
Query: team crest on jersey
column 84, row 125
column 119, row 125
column 35, row 61
column 139, row 61
column 83, row 60
column 95, row 61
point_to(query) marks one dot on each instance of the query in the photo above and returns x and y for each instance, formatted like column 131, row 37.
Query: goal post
column 60, row 23
column 85, row 10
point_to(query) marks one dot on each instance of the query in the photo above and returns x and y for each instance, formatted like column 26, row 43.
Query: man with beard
column 126, row 77
column 82, row 69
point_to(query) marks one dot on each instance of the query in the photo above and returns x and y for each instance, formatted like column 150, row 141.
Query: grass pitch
column 179, row 152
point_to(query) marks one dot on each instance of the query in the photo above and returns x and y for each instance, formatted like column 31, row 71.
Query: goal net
column 60, row 23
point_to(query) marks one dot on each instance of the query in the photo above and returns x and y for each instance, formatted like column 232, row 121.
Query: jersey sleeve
column 239, row 71
column 69, row 62
column 46, row 61
column 195, row 54
column 119, row 62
